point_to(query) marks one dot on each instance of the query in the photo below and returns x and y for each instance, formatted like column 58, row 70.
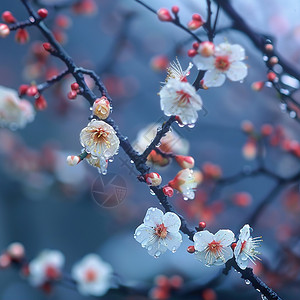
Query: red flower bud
column 257, row 86
column 196, row 45
column 8, row 17
column 40, row 103
column 23, row 89
column 197, row 17
column 164, row 15
column 202, row 225
column 32, row 91
column 233, row 245
column 192, row 53
column 75, row 86
column 47, row 46
column 22, row 36
column 72, row 95
column 168, row 191
column 191, row 249
column 269, row 47
column 271, row 76
column 175, row 9
column 266, row 129
column 43, row 13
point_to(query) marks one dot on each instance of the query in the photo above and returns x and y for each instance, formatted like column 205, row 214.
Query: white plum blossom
column 226, row 61
column 92, row 275
column 214, row 249
column 178, row 97
column 245, row 249
column 185, row 183
column 14, row 112
column 99, row 140
column 175, row 71
column 159, row 232
column 45, row 267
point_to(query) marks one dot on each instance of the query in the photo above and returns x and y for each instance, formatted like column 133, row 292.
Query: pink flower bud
column 206, row 48
column 8, row 17
column 266, row 129
column 72, row 95
column 185, row 162
column 193, row 25
column 247, row 127
column 168, row 191
column 101, row 108
column 16, row 251
column 40, row 103
column 73, row 160
column 164, row 15
column 32, row 91
column 5, row 261
column 269, row 47
column 159, row 63
column 257, row 86
column 22, row 36
column 47, row 46
column 250, row 150
column 175, row 9
column 4, row 30
column 153, row 179
column 197, row 17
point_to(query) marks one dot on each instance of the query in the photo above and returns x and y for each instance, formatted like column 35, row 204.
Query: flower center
column 183, row 98
column 215, row 247
column 51, row 272
column 101, row 136
column 90, row 275
column 222, row 63
column 161, row 231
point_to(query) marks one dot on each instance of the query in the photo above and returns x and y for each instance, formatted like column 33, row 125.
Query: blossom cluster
column 91, row 275
column 160, row 232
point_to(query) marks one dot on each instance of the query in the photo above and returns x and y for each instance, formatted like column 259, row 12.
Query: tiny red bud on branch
column 43, row 13
column 191, row 249
column 8, row 17
column 164, row 15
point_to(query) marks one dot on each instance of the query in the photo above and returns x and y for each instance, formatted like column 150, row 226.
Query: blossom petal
column 202, row 239
column 237, row 53
column 207, row 258
column 154, row 216
column 173, row 241
column 214, row 78
column 157, row 248
column 227, row 254
column 144, row 235
column 245, row 233
column 172, row 222
column 225, row 236
column 237, row 71
column 204, row 63
column 242, row 263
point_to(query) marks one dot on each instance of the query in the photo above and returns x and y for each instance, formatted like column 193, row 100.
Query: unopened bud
column 164, row 15
column 73, row 160
column 153, row 179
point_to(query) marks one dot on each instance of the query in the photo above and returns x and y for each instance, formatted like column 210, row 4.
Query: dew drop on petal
column 138, row 233
column 191, row 125
column 157, row 254
column 149, row 248
column 185, row 198
column 174, row 249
